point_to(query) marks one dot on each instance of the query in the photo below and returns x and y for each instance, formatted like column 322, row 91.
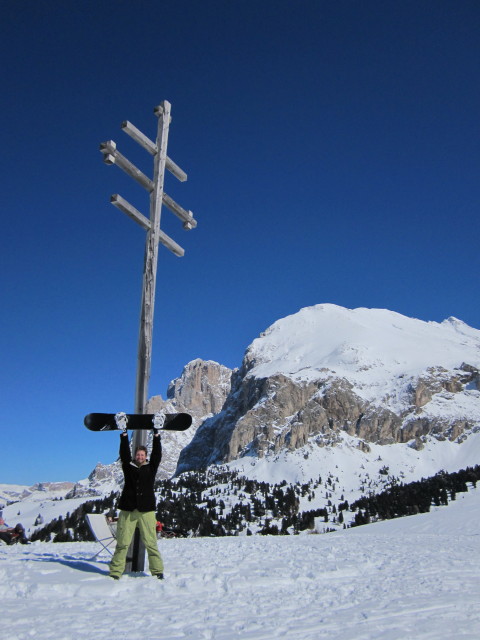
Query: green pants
column 146, row 523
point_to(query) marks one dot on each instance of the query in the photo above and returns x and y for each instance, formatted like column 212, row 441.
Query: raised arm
column 125, row 453
column 156, row 455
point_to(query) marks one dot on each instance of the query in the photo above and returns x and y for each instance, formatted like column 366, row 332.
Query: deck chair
column 101, row 531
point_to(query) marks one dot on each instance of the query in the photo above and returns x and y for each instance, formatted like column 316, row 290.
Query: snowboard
column 137, row 421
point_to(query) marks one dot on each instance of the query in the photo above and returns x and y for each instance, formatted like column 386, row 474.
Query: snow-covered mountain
column 328, row 371
column 359, row 397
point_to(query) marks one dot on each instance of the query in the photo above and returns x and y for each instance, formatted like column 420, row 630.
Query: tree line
column 220, row 502
column 415, row 497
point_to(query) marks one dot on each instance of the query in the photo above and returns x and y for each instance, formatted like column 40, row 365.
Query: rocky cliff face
column 374, row 374
column 201, row 390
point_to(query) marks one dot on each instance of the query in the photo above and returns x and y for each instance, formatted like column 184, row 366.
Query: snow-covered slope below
column 353, row 466
column 413, row 578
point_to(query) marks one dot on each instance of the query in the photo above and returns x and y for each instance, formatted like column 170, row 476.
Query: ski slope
column 413, row 578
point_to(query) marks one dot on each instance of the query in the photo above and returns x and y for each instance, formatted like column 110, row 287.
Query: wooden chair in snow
column 101, row 531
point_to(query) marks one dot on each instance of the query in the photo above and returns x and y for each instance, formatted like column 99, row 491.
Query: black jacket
column 138, row 490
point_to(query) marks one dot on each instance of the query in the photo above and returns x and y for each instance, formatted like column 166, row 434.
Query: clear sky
column 333, row 155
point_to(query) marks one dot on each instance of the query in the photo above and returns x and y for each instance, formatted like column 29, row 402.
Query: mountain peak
column 364, row 346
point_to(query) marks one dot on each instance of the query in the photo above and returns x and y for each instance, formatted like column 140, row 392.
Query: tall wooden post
column 155, row 236
column 150, row 271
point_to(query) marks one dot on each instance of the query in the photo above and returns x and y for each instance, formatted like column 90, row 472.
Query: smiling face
column 140, row 456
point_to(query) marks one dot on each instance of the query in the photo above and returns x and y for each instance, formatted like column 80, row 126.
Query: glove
column 158, row 422
column 121, row 421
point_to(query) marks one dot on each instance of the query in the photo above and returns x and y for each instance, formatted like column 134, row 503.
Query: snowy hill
column 13, row 492
column 33, row 507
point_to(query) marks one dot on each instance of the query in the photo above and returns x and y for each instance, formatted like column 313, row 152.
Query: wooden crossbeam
column 143, row 221
column 112, row 156
column 139, row 137
column 108, row 149
column 175, row 169
column 187, row 218
column 130, row 210
column 170, row 244
column 151, row 147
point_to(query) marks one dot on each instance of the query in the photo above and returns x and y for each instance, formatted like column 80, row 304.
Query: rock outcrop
column 200, row 390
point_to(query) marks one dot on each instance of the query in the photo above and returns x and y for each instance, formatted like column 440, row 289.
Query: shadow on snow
column 78, row 564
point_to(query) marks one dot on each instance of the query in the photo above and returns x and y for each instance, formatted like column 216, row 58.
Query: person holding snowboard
column 137, row 502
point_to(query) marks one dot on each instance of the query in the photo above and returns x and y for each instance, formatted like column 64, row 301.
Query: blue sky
column 332, row 150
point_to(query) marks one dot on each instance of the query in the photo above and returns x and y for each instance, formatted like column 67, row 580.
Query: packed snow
column 413, row 578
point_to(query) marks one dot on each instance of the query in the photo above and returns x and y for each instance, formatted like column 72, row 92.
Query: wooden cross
column 155, row 236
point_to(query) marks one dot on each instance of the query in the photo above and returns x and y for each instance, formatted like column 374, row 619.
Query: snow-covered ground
column 411, row 578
